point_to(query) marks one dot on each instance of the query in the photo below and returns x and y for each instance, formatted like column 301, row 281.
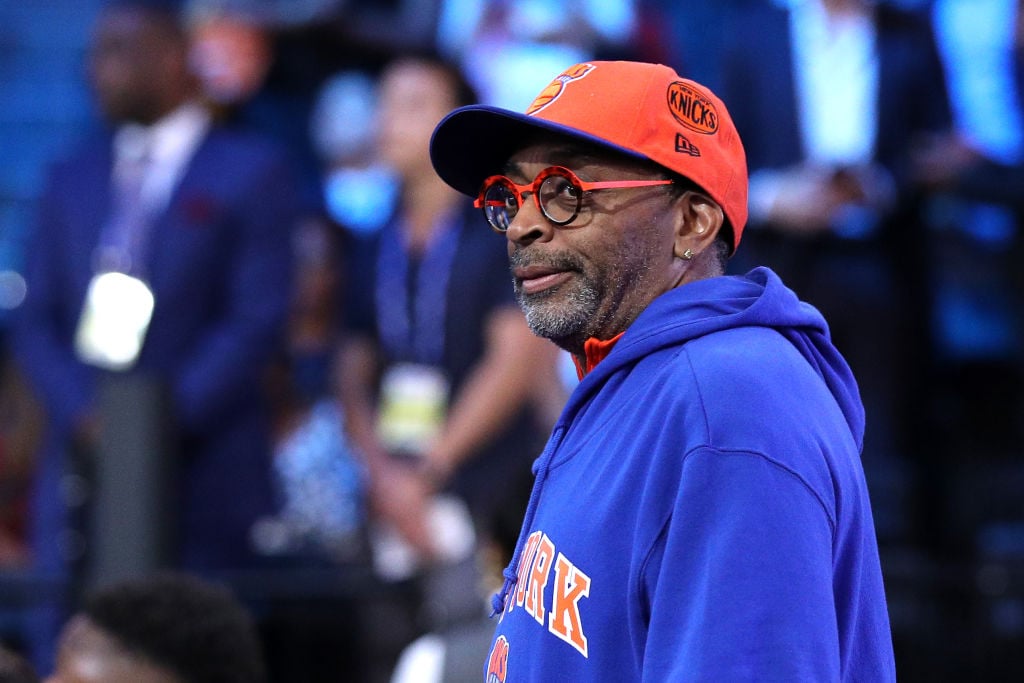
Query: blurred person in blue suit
column 196, row 221
column 829, row 97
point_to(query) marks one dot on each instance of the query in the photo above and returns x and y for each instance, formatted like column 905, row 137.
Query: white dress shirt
column 165, row 147
column 835, row 66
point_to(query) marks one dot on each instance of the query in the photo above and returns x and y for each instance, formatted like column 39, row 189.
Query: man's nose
column 530, row 224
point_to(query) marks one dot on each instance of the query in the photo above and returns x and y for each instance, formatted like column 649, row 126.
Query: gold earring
column 688, row 254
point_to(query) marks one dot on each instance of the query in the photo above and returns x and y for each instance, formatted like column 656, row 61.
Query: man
column 700, row 511
column 215, row 251
column 165, row 628
column 197, row 220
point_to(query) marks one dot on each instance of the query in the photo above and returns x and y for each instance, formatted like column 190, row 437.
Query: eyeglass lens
column 501, row 204
column 559, row 198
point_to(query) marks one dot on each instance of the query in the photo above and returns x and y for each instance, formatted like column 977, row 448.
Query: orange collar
column 594, row 351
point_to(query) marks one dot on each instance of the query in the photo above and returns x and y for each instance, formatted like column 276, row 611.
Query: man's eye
column 568, row 190
column 563, row 190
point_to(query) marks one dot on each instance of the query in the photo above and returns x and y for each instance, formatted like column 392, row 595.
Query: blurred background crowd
column 335, row 404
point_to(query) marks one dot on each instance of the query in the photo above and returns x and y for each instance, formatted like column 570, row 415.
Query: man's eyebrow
column 511, row 168
column 566, row 155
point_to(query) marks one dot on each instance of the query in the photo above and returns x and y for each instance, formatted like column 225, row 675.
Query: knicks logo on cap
column 497, row 663
column 692, row 109
column 554, row 89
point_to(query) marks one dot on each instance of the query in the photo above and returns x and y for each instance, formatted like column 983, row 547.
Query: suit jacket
column 220, row 271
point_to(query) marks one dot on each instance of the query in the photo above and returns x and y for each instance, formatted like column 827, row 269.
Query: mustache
column 523, row 258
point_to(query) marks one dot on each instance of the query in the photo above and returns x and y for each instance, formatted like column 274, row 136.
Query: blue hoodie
column 700, row 511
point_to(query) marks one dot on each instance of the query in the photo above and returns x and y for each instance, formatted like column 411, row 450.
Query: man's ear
column 698, row 222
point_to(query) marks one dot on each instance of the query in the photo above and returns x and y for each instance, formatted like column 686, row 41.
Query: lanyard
column 416, row 332
column 124, row 241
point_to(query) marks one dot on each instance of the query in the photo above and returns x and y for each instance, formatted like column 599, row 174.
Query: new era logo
column 685, row 146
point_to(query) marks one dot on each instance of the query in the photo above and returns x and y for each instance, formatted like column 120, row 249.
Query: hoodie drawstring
column 540, row 471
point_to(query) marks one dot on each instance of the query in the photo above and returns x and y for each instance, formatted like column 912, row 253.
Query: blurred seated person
column 319, row 479
column 165, row 628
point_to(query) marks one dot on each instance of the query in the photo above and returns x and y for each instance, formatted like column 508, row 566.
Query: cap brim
column 475, row 142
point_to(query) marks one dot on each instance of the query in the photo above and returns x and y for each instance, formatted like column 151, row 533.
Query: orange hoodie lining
column 595, row 351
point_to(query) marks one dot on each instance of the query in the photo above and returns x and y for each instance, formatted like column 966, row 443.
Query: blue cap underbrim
column 475, row 142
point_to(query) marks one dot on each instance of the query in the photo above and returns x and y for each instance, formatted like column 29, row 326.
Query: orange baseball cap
column 646, row 111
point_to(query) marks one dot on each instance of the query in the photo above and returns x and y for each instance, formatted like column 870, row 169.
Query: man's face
column 87, row 654
column 414, row 96
column 593, row 277
column 134, row 65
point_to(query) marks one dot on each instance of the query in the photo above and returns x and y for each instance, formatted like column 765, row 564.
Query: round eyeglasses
column 557, row 191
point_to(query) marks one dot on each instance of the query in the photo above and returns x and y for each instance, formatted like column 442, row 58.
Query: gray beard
column 571, row 313
column 566, row 314
column 566, row 321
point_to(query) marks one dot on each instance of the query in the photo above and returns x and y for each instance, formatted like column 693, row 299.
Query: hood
column 757, row 299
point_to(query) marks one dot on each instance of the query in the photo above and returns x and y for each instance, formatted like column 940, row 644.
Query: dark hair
column 166, row 15
column 188, row 626
column 462, row 90
column 14, row 668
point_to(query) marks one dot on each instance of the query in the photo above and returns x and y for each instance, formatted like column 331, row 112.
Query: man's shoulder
column 727, row 355
column 757, row 365
column 736, row 376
